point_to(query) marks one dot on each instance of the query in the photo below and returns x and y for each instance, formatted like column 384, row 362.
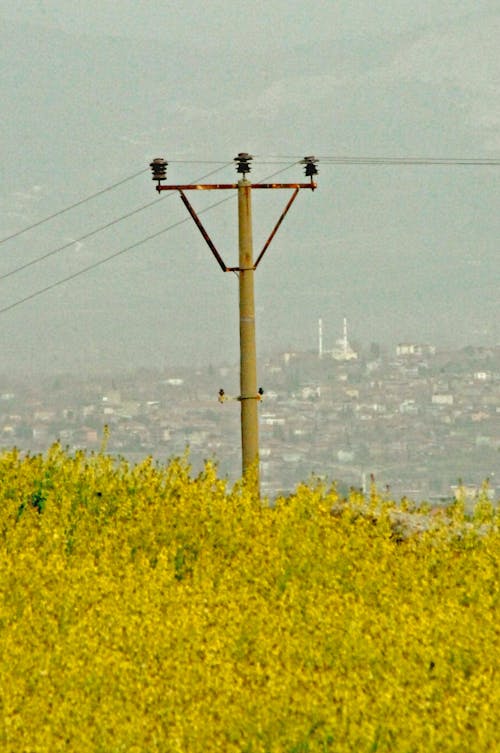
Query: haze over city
column 91, row 93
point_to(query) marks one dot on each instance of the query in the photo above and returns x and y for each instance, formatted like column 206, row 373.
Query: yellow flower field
column 146, row 611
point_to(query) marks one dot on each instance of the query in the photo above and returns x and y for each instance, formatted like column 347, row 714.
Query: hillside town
column 419, row 421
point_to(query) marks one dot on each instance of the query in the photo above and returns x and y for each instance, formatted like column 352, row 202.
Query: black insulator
column 243, row 162
column 310, row 168
column 261, row 391
column 159, row 168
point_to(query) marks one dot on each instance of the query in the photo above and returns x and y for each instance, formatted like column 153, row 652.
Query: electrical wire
column 80, row 202
column 363, row 160
column 273, row 175
column 417, row 161
column 122, row 251
column 73, row 206
column 296, row 160
column 90, row 234
column 88, row 268
column 77, row 240
column 275, row 159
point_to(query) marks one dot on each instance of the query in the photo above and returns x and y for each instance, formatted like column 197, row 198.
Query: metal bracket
column 204, row 233
column 223, row 397
column 276, row 227
column 211, row 244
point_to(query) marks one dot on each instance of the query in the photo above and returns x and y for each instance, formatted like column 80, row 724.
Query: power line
column 80, row 202
column 367, row 160
column 275, row 159
column 89, row 234
column 423, row 161
column 362, row 159
column 76, row 240
column 324, row 160
column 122, row 251
column 72, row 206
column 96, row 264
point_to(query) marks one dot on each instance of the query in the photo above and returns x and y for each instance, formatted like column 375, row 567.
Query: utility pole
column 249, row 394
column 248, row 354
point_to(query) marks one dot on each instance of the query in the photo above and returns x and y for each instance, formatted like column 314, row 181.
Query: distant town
column 419, row 421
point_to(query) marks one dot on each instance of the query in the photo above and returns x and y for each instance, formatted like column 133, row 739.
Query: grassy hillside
column 143, row 610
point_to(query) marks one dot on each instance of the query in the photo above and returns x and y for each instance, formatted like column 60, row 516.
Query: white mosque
column 342, row 350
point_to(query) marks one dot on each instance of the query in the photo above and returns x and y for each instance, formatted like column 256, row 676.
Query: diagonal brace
column 276, row 227
column 204, row 233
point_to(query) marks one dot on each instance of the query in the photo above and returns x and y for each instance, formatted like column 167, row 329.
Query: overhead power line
column 269, row 159
column 88, row 268
column 80, row 202
column 72, row 206
column 88, row 235
column 122, row 251
column 350, row 159
column 408, row 161
column 275, row 159
column 367, row 160
column 250, row 395
column 76, row 240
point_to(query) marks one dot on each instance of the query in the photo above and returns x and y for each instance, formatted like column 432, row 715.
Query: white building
column 342, row 350
column 415, row 349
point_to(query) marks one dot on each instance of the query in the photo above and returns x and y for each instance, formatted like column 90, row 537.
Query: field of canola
column 146, row 611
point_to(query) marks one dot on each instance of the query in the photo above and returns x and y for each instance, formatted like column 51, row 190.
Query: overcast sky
column 92, row 90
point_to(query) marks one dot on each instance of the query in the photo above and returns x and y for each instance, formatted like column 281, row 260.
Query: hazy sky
column 92, row 90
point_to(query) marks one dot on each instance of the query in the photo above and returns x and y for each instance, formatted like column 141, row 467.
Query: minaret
column 320, row 338
column 343, row 351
